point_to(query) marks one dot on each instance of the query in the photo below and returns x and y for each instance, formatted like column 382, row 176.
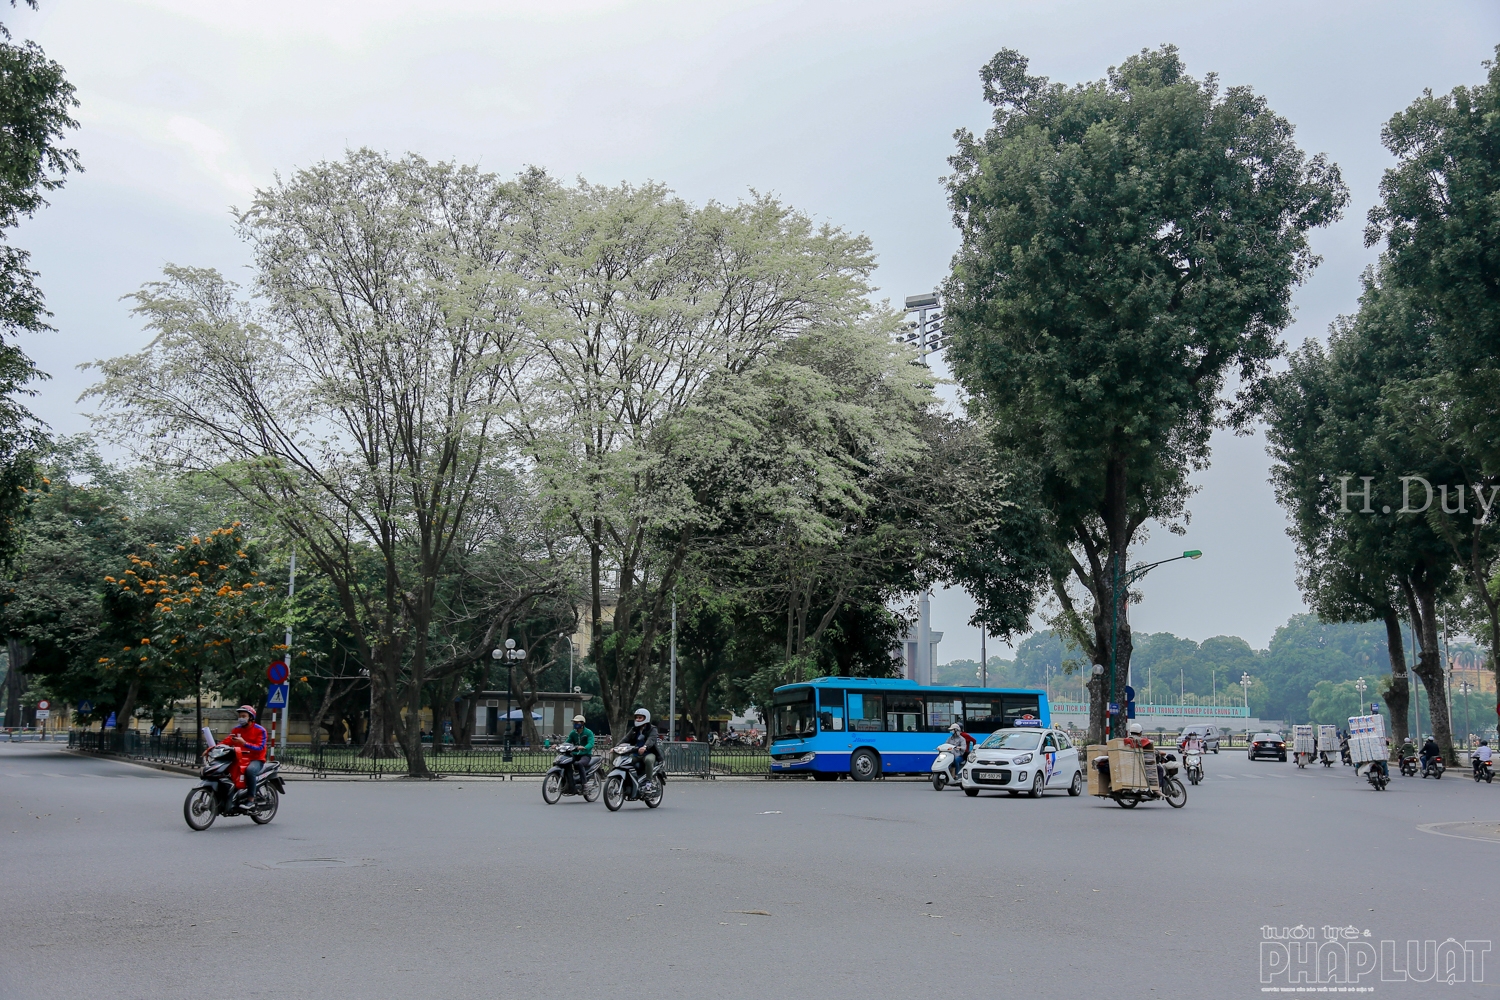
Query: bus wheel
column 863, row 765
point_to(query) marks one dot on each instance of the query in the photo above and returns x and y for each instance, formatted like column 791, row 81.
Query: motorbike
column 623, row 784
column 1374, row 775
column 1344, row 752
column 945, row 766
column 1168, row 787
column 1409, row 766
column 1327, row 758
column 1194, row 764
column 1434, row 768
column 218, row 794
column 562, row 779
column 1483, row 771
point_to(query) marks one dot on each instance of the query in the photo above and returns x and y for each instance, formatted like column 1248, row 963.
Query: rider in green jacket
column 581, row 744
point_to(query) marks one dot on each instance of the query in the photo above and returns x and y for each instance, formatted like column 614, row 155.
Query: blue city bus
column 866, row 726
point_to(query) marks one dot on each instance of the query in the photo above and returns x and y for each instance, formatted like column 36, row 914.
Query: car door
column 1067, row 760
column 1049, row 755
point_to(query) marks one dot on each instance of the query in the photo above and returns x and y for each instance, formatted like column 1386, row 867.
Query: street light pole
column 672, row 698
column 1245, row 686
column 1132, row 575
column 510, row 654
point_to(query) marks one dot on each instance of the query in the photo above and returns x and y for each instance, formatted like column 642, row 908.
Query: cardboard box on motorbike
column 1128, row 768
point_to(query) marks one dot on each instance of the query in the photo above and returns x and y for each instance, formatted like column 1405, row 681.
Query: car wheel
column 1037, row 784
column 971, row 792
column 1076, row 788
column 864, row 765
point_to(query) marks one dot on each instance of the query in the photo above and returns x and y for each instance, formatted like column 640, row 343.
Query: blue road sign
column 1114, row 709
column 276, row 696
column 85, row 707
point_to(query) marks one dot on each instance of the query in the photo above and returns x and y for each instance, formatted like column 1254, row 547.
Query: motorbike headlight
column 1025, row 758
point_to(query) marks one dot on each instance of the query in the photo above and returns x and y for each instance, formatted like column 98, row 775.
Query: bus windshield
column 1013, row 739
column 792, row 715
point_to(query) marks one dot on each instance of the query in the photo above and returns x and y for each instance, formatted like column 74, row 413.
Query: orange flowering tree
column 202, row 615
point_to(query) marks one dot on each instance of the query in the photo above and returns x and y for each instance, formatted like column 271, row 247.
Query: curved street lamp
column 1130, row 576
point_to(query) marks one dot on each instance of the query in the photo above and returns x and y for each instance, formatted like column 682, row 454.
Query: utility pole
column 672, row 698
column 984, row 660
column 286, row 710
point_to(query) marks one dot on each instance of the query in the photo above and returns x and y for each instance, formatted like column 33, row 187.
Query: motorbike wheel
column 591, row 789
column 658, row 789
column 1193, row 777
column 552, row 787
column 200, row 809
column 1127, row 800
column 263, row 810
column 1174, row 792
column 939, row 781
column 614, row 792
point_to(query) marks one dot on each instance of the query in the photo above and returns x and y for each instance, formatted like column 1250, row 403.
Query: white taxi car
column 1024, row 760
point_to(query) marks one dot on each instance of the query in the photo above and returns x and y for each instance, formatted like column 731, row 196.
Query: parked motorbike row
column 621, row 784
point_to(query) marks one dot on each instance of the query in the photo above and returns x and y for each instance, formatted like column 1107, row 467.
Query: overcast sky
column 846, row 110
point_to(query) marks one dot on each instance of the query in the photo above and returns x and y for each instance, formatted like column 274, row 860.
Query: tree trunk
column 1430, row 668
column 127, row 709
column 18, row 655
column 377, row 741
column 1398, row 696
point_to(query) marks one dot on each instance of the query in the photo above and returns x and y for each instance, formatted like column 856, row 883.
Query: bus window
column 1021, row 710
column 981, row 715
column 831, row 710
column 903, row 714
column 865, row 712
column 942, row 714
column 792, row 714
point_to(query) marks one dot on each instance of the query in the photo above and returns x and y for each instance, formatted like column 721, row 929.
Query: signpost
column 43, row 712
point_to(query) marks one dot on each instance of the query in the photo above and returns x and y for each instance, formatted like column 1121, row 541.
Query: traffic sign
column 276, row 673
column 276, row 696
column 43, row 705
column 85, row 707
column 43, row 713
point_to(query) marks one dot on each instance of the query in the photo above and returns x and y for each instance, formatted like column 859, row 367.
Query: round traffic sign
column 44, row 705
column 276, row 673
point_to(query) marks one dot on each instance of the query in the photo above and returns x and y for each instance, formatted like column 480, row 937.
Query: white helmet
column 643, row 715
column 1134, row 729
column 955, row 728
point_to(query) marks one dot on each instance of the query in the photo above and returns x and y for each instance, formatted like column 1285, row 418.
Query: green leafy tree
column 1331, row 425
column 1439, row 217
column 1127, row 246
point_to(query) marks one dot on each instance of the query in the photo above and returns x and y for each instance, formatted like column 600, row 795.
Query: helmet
column 955, row 728
column 579, row 718
column 247, row 708
column 643, row 715
column 1134, row 729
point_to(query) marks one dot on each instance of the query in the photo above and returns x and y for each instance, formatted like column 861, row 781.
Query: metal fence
column 693, row 759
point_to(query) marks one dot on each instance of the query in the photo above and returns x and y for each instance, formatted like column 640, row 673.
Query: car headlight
column 1025, row 758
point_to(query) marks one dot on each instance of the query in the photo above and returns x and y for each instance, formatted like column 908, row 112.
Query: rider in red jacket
column 250, row 739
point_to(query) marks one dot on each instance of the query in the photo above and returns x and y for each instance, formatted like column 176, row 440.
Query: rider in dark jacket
column 1429, row 751
column 642, row 736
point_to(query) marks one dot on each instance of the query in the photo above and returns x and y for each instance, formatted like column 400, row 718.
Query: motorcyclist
column 1482, row 755
column 1136, row 737
column 581, row 746
column 962, row 744
column 1430, row 751
column 250, row 739
column 642, row 737
column 1408, row 749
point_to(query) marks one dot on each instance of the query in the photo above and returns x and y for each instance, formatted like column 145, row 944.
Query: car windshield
column 1013, row 739
column 792, row 715
column 1263, row 737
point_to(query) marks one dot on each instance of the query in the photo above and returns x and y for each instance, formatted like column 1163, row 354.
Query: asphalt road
column 732, row 889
